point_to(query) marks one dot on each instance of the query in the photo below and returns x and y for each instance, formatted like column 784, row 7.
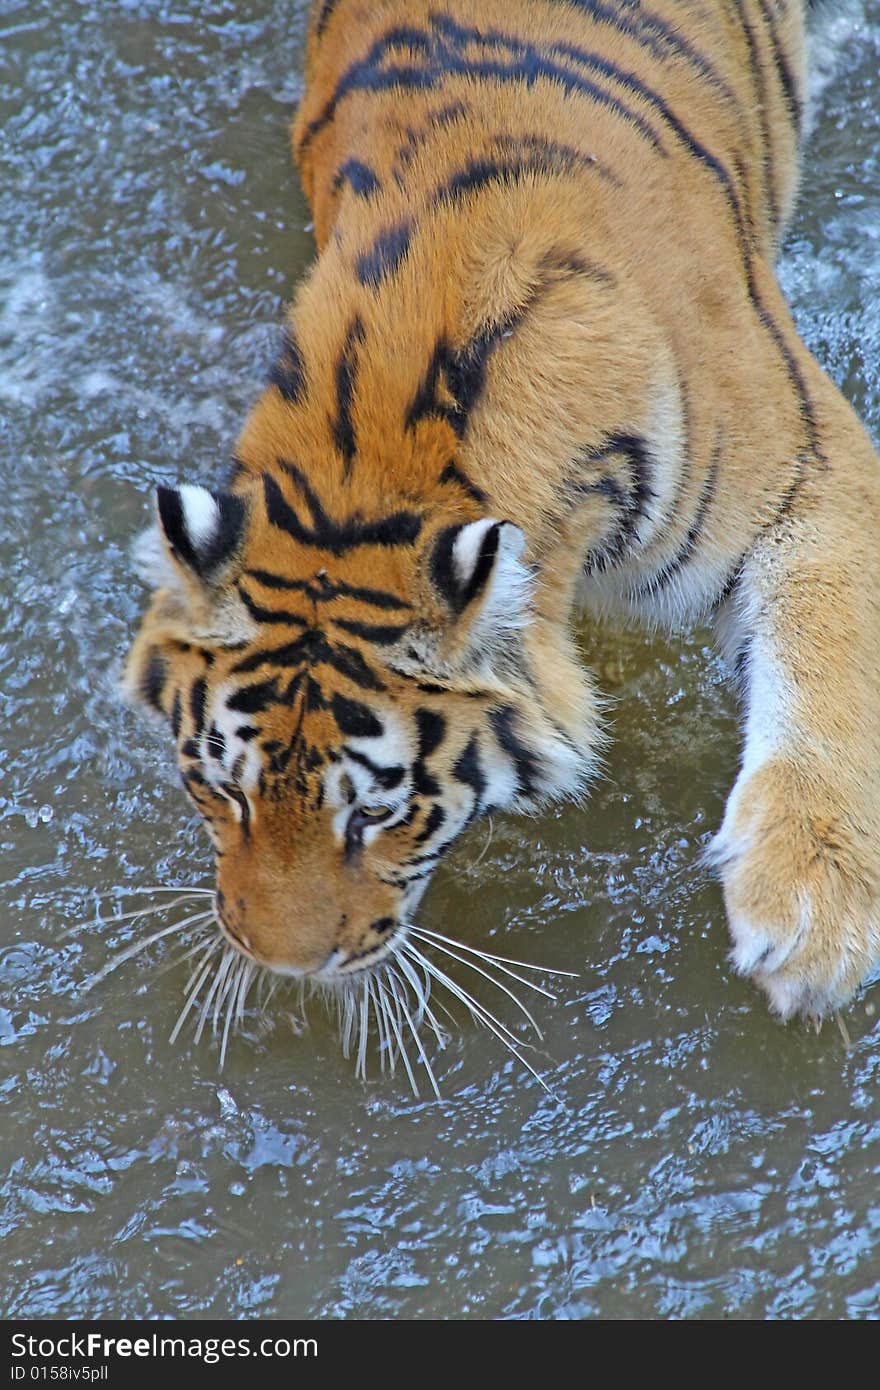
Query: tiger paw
column 801, row 877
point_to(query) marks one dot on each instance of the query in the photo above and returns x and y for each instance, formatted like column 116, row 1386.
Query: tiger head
column 348, row 695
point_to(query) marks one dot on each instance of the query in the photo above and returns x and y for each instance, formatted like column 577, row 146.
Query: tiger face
column 348, row 695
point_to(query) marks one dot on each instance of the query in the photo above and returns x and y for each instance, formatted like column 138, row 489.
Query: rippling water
column 708, row 1161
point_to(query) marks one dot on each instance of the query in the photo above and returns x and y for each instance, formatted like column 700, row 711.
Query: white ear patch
column 201, row 514
column 481, row 547
column 468, row 547
column 487, row 559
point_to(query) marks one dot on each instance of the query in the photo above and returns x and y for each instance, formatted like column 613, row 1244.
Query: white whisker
column 489, row 955
column 374, row 1000
column 220, row 974
column 361, row 1064
column 345, row 1013
column 459, row 991
column 469, row 868
column 122, row 892
column 206, row 935
column 267, row 991
column 424, row 993
column 135, row 950
column 386, row 1045
column 464, row 960
column 250, row 972
column 98, row 921
column 481, row 1015
column 199, row 975
column 434, row 939
column 230, row 983
column 393, row 980
column 211, row 946
column 401, row 1048
column 232, row 1006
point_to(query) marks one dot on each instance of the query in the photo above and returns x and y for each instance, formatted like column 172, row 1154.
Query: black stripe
column 415, row 138
column 387, row 777
column 431, row 727
column 251, row 699
column 484, row 170
column 385, row 255
column 329, row 589
column 173, row 523
column 573, row 263
column 556, row 157
column 313, row 649
column 689, row 545
column 793, row 100
column 463, row 371
column 503, row 722
column 360, row 178
column 469, row 770
column 741, row 666
column 632, row 503
column 429, row 857
column 383, row 636
column 323, row 16
column 192, row 774
column 434, row 822
column 277, row 581
column 760, row 86
column 176, row 715
column 658, row 37
column 442, row 566
column 453, row 474
column 197, row 697
column 383, row 925
column 400, row 528
column 314, row 696
column 365, row 75
column 288, row 371
column 346, row 376
column 424, row 782
column 269, row 615
column 731, row 583
column 215, row 743
column 355, row 720
column 479, row 173
column 153, row 678
column 237, row 795
column 294, row 653
column 351, row 664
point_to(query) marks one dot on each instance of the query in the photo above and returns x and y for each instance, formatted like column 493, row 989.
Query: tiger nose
column 260, row 937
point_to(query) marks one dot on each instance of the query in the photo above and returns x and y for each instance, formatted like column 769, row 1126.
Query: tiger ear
column 477, row 570
column 196, row 537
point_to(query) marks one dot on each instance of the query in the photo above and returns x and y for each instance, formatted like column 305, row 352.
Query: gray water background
column 710, row 1162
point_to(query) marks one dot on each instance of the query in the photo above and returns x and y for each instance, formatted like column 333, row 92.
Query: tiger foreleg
column 799, row 847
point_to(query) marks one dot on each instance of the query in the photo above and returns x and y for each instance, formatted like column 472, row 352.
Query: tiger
column 540, row 374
